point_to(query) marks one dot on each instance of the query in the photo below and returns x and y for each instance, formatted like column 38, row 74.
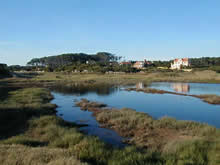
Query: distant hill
column 71, row 58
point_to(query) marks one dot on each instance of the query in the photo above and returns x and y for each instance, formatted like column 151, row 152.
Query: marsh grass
column 22, row 155
column 197, row 76
column 47, row 139
column 49, row 78
column 85, row 104
column 54, row 133
column 33, row 98
column 212, row 99
column 179, row 142
column 21, row 105
column 39, row 137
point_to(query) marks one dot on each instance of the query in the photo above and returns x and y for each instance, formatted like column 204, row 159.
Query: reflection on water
column 180, row 87
column 190, row 88
column 83, row 89
column 156, row 105
column 140, row 85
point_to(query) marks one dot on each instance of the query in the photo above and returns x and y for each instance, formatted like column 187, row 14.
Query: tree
column 71, row 58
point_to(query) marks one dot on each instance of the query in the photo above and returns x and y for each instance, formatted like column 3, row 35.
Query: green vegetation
column 54, row 134
column 105, row 62
column 4, row 72
column 28, row 98
column 21, row 105
column 43, row 136
column 179, row 142
column 31, row 133
column 97, row 68
column 212, row 99
column 205, row 62
column 23, row 155
column 117, row 79
column 14, row 68
column 71, row 58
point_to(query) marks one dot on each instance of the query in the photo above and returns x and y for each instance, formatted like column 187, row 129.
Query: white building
column 179, row 63
column 139, row 64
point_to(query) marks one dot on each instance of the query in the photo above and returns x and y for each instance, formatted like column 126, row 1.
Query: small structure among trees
column 142, row 64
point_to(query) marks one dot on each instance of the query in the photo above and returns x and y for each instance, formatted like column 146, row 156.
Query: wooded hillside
column 73, row 58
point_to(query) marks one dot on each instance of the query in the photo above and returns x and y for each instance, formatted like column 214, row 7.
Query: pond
column 156, row 105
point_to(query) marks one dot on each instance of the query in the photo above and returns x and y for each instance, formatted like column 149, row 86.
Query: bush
column 190, row 153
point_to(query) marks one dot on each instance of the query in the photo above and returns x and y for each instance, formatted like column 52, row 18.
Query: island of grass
column 211, row 99
column 178, row 142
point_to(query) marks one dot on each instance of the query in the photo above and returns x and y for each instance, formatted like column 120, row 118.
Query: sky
column 134, row 29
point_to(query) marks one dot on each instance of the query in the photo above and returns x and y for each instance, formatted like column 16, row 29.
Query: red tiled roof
column 176, row 60
column 185, row 59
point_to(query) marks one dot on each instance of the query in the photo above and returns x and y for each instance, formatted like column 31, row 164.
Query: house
column 179, row 63
column 139, row 64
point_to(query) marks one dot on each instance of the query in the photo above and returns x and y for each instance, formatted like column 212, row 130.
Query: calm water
column 69, row 112
column 189, row 88
column 156, row 105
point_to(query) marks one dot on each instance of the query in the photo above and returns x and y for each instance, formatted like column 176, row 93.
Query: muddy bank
column 144, row 131
column 211, row 99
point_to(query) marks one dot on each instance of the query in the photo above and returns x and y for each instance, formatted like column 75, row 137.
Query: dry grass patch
column 21, row 155
column 119, row 79
column 21, row 105
column 211, row 99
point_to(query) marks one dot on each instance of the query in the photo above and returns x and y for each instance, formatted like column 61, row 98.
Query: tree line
column 73, row 58
column 4, row 71
column 205, row 62
column 104, row 62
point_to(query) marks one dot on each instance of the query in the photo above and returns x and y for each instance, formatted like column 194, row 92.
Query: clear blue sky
column 136, row 29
